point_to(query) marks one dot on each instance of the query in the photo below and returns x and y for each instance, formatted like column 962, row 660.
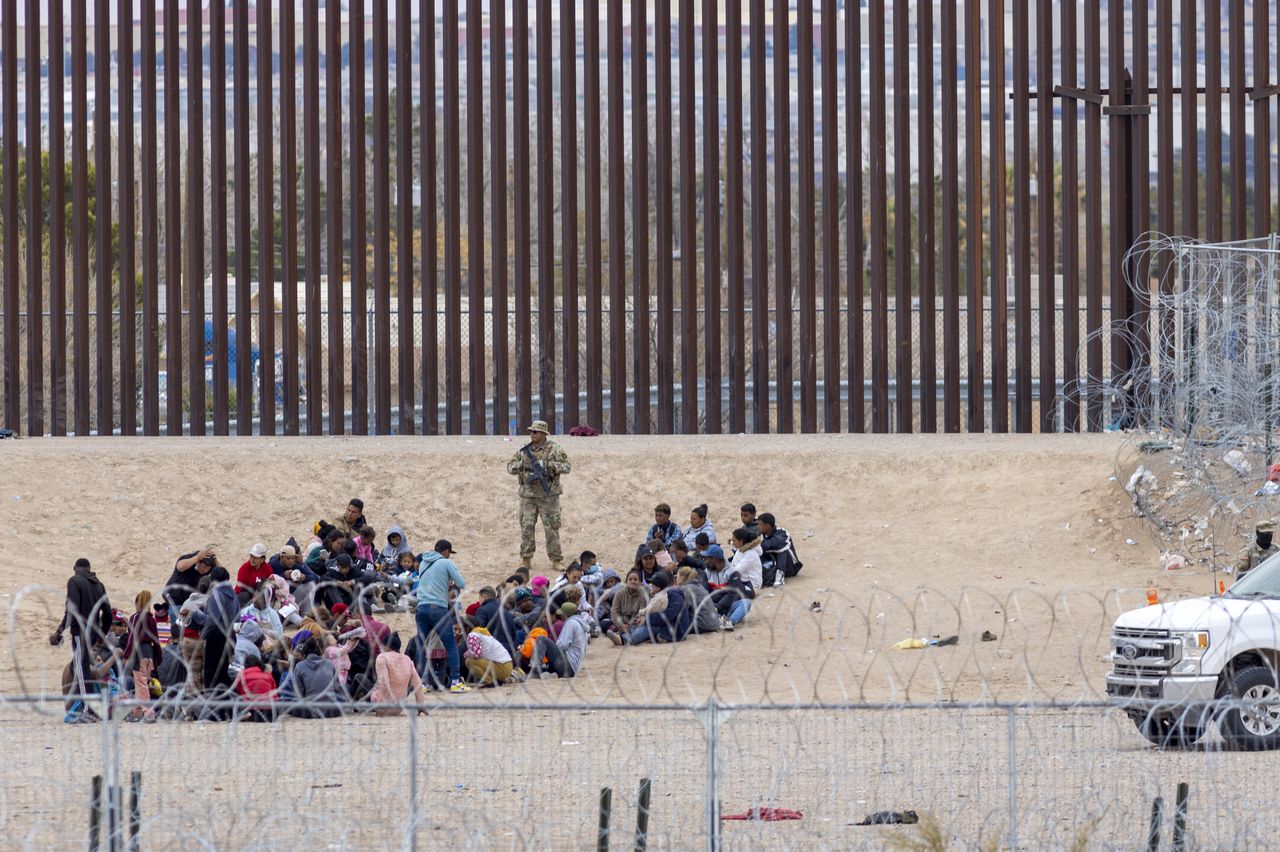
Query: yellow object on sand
column 909, row 644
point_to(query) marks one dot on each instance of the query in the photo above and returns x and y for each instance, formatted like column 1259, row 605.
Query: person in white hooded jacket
column 746, row 564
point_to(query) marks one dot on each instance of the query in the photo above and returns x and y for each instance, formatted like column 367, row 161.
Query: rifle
column 537, row 473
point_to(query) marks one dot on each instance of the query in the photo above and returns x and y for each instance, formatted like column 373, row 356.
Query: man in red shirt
column 252, row 573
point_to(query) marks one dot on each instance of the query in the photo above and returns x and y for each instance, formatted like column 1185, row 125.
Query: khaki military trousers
column 546, row 507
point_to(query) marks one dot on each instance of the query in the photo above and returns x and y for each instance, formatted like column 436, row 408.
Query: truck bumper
column 1137, row 693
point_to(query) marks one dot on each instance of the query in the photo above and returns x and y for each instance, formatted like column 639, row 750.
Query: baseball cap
column 567, row 609
column 288, row 550
column 258, row 550
column 715, row 551
column 523, row 594
column 444, row 544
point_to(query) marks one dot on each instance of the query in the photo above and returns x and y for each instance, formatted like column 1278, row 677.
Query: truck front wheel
column 1252, row 722
column 1170, row 730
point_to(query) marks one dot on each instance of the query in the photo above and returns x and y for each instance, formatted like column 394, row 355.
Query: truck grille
column 1126, row 670
column 1139, row 633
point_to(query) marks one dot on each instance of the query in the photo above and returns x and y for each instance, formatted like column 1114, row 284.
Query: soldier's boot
column 526, row 562
column 557, row 566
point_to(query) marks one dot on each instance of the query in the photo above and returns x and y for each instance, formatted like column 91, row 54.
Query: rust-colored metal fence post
column 569, row 210
column 218, row 211
column 244, row 226
column 665, row 355
column 854, row 218
column 80, row 219
column 711, row 374
column 760, row 415
column 266, row 229
column 196, row 338
column 289, row 217
column 546, row 218
column 1046, row 226
column 975, row 277
column 927, row 246
column 949, row 256
column 902, row 254
column 735, row 260
column 805, row 196
column 35, row 245
column 404, row 224
column 879, row 238
column 782, row 207
column 150, row 235
column 689, row 337
column 1070, row 227
column 9, row 140
column 476, row 343
column 382, row 216
column 640, row 208
column 591, row 172
column 498, row 170
column 521, row 216
column 430, row 217
column 998, row 230
column 1022, row 216
column 104, row 364
column 312, row 218
column 336, row 313
column 617, row 222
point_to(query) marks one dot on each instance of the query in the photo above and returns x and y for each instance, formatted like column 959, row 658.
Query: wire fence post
column 413, row 782
column 711, row 718
column 1013, row 777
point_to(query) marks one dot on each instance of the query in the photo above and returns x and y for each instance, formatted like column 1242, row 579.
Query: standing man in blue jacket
column 436, row 575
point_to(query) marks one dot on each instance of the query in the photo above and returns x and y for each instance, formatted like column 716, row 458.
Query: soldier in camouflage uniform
column 1252, row 555
column 537, row 500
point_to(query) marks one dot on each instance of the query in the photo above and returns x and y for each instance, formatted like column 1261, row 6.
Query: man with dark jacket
column 216, row 622
column 504, row 627
column 342, row 580
column 779, row 558
column 88, row 615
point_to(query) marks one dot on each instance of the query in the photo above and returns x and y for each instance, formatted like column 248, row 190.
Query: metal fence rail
column 259, row 192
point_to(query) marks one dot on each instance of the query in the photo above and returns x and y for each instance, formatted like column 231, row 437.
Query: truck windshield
column 1261, row 581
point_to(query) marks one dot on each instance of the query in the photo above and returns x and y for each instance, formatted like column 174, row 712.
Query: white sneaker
column 726, row 624
column 779, row 579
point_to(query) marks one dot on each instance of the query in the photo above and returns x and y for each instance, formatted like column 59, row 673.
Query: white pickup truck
column 1178, row 667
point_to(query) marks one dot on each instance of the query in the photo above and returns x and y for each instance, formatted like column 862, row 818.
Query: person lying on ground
column 488, row 661
column 663, row 527
column 252, row 573
column 698, row 524
column 396, row 680
column 624, row 607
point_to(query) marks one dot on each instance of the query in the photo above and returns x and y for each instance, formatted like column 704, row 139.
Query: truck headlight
column 1194, row 643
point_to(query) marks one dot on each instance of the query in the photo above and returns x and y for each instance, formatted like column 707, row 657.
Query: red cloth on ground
column 765, row 814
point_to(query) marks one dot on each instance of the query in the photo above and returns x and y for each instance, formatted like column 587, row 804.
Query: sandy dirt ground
column 901, row 536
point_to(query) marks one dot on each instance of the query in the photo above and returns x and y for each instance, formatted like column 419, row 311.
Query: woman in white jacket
column 746, row 564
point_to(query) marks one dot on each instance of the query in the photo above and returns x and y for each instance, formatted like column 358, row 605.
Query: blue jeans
column 438, row 619
column 638, row 636
column 740, row 610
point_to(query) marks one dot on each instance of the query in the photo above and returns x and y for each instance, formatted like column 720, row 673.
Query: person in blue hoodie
column 436, row 575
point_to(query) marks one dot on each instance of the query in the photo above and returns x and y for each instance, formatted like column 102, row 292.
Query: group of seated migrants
column 297, row 632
